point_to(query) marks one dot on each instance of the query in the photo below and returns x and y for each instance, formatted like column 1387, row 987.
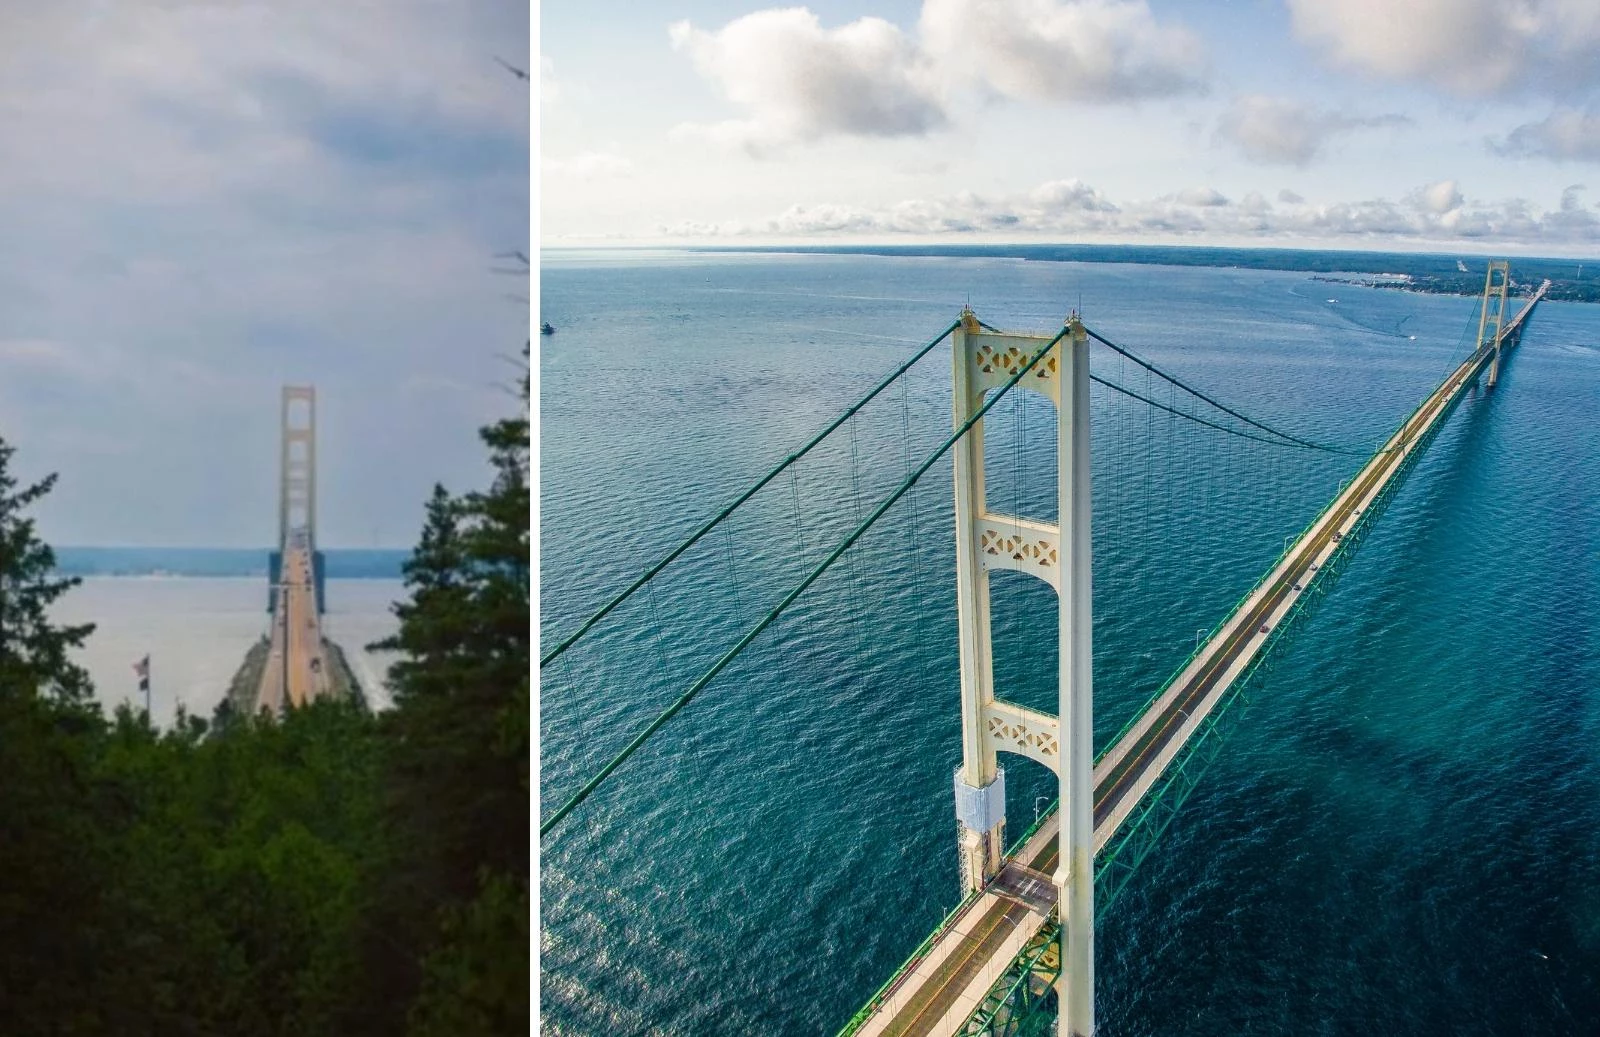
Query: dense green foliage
column 33, row 652
column 327, row 872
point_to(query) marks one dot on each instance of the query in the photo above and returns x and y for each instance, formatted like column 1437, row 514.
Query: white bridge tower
column 1059, row 555
column 297, row 469
column 1492, row 316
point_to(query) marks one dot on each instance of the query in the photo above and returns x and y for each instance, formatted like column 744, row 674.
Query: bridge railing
column 1288, row 548
column 985, row 1017
column 884, row 992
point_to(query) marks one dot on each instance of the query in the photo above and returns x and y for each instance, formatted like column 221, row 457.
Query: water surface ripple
column 1401, row 835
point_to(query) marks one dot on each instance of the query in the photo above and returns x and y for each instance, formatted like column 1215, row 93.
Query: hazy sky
column 200, row 201
column 1466, row 125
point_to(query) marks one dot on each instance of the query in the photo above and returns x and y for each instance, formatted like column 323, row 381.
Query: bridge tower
column 1492, row 315
column 297, row 484
column 297, row 487
column 1060, row 555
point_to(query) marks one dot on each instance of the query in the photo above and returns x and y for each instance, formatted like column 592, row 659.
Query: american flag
column 142, row 668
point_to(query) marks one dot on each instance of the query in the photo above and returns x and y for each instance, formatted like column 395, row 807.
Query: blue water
column 342, row 563
column 1402, row 834
column 195, row 612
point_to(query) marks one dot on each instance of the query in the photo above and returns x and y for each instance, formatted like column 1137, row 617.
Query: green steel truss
column 1022, row 1002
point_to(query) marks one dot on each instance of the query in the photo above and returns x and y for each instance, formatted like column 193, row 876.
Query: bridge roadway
column 296, row 670
column 940, row 991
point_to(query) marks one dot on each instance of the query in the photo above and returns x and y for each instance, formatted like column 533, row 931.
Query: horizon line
column 1429, row 248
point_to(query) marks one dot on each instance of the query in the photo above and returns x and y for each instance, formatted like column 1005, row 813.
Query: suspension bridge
column 295, row 663
column 1016, row 955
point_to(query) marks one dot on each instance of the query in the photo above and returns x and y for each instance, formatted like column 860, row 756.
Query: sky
column 1420, row 125
column 203, row 201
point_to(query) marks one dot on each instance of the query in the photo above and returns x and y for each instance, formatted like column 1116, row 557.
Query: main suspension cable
column 1147, row 365
column 755, row 487
column 1296, row 440
column 1202, row 421
column 788, row 599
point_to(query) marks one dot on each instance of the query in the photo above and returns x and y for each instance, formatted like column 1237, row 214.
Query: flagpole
column 142, row 668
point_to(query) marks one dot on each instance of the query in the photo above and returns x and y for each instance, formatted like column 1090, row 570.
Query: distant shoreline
column 137, row 575
column 191, row 562
column 1571, row 280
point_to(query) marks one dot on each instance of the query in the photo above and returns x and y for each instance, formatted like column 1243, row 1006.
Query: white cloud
column 1068, row 195
column 1288, row 197
column 1574, row 219
column 549, row 85
column 1064, row 50
column 1058, row 203
column 1277, row 131
column 1204, row 197
column 590, row 165
column 1473, row 48
column 800, row 81
column 1255, row 204
column 797, row 81
column 1439, row 198
column 752, row 136
column 1567, row 134
column 1073, row 210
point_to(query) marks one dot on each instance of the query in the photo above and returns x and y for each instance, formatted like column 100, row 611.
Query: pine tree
column 33, row 651
column 53, row 828
column 459, row 746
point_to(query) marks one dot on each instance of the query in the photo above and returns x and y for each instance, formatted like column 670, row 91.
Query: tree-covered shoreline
column 1576, row 280
column 330, row 871
column 1560, row 291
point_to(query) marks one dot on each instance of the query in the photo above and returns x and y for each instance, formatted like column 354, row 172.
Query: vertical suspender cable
column 746, row 495
column 788, row 599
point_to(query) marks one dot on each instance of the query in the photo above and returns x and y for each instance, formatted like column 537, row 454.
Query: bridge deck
column 944, row 988
column 939, row 993
column 296, row 669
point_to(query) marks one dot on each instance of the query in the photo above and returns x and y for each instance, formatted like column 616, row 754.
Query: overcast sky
column 200, row 201
column 1466, row 125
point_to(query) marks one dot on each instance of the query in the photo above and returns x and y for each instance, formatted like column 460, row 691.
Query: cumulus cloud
column 1440, row 209
column 801, row 81
column 1057, row 203
column 1277, row 131
column 1438, row 198
column 1255, row 204
column 1205, row 197
column 1473, row 48
column 796, row 80
column 1067, row 196
column 1050, row 50
column 1073, row 210
column 1567, row 134
column 1574, row 219
column 1288, row 197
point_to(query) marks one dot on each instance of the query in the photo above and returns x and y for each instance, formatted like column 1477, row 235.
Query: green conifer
column 33, row 650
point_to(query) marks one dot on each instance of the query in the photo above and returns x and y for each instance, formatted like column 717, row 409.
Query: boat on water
column 546, row 329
